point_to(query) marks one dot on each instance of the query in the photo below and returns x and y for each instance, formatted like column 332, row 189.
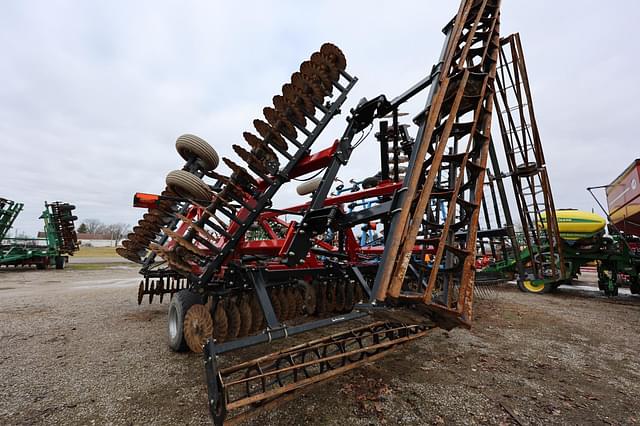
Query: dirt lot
column 76, row 349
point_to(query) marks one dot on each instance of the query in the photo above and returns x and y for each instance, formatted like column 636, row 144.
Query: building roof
column 84, row 236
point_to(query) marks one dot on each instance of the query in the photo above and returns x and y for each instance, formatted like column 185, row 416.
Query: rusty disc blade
column 262, row 149
column 129, row 255
column 331, row 297
column 198, row 327
column 139, row 240
column 289, row 110
column 340, row 296
column 335, row 55
column 314, row 73
column 284, row 304
column 242, row 177
column 308, row 85
column 139, row 230
column 233, row 319
column 279, row 122
column 257, row 317
column 254, row 163
column 326, row 65
column 309, row 299
column 133, row 245
column 149, row 226
column 245, row 317
column 296, row 96
column 321, row 298
column 270, row 135
column 220, row 323
column 275, row 302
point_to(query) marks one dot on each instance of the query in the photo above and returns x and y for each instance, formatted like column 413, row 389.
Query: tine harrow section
column 526, row 163
column 444, row 184
column 257, row 383
column 9, row 211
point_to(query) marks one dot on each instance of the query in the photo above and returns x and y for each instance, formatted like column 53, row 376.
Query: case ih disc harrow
column 241, row 273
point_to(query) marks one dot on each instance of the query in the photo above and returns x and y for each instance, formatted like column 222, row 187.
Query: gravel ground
column 76, row 349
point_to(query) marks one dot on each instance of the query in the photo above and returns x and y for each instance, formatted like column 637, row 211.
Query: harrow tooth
column 233, row 319
column 331, row 296
column 257, row 317
column 310, row 298
column 307, row 87
column 140, row 292
column 335, row 55
column 261, row 150
column 270, row 135
column 275, row 302
column 198, row 327
column 133, row 246
column 321, row 298
column 152, row 291
column 291, row 111
column 254, row 163
column 245, row 316
column 180, row 240
column 301, row 94
column 280, row 123
column 326, row 65
column 313, row 73
column 340, row 296
column 241, row 176
column 161, row 289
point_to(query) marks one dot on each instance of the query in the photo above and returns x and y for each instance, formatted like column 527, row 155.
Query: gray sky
column 94, row 94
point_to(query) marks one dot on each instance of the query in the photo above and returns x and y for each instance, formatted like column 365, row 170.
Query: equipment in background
column 59, row 243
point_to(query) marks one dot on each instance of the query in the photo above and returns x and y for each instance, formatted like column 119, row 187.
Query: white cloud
column 95, row 93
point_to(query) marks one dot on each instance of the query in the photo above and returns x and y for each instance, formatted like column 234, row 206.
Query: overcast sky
column 94, row 94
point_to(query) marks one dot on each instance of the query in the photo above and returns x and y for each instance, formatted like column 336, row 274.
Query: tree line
column 117, row 231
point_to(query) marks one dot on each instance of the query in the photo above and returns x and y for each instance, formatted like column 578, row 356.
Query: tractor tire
column 180, row 304
column 309, row 186
column 190, row 146
column 188, row 186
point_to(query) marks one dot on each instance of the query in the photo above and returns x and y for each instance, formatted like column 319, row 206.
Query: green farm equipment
column 616, row 256
column 59, row 243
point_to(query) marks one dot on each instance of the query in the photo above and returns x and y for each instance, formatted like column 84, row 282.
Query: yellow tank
column 576, row 224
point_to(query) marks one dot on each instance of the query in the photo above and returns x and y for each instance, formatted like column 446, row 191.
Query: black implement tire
column 60, row 261
column 178, row 308
column 189, row 186
column 189, row 146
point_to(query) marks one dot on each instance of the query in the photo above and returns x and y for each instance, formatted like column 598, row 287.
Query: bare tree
column 93, row 226
column 117, row 231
